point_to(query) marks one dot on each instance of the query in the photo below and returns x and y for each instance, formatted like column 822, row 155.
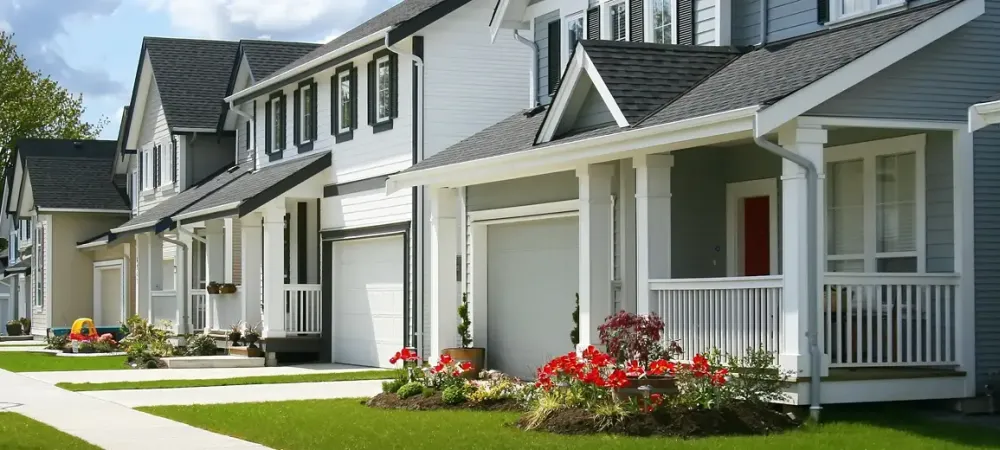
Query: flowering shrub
column 447, row 372
column 629, row 336
column 700, row 385
column 411, row 363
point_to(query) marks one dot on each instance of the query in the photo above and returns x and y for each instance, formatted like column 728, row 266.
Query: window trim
column 606, row 18
column 278, row 124
column 388, row 63
column 869, row 152
column 341, row 77
column 305, row 133
column 580, row 15
column 837, row 15
column 648, row 27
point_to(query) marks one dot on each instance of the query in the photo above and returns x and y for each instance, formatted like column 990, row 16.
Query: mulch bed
column 736, row 420
column 422, row 403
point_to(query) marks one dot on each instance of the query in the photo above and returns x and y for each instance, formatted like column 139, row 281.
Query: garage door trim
column 329, row 237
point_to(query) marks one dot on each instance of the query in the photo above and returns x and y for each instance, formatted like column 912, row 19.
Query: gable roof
column 191, row 76
column 68, row 174
column 266, row 57
column 758, row 77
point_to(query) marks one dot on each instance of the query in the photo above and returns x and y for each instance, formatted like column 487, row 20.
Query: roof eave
column 983, row 114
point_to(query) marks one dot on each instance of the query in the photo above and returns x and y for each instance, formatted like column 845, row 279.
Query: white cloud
column 4, row 26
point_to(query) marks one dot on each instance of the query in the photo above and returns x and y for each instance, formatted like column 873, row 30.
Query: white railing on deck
column 199, row 309
column 303, row 309
column 730, row 314
column 889, row 319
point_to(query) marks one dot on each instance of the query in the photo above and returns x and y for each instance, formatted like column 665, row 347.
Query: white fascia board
column 867, row 65
column 508, row 15
column 983, row 114
column 98, row 243
column 704, row 130
column 194, row 130
column 282, row 77
column 83, row 210
column 138, row 110
column 133, row 227
column 580, row 64
column 202, row 212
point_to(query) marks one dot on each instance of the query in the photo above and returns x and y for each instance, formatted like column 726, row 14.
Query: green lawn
column 18, row 432
column 46, row 362
column 273, row 379
column 318, row 424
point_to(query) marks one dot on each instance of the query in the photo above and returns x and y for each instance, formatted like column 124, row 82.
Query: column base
column 797, row 366
column 274, row 334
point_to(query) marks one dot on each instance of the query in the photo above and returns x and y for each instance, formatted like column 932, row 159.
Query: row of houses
column 797, row 175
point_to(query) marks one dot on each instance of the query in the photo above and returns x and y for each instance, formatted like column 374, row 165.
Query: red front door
column 756, row 236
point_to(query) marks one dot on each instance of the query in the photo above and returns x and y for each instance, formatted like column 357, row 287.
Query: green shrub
column 392, row 386
column 200, row 345
column 146, row 343
column 53, row 342
column 25, row 325
column 453, row 395
column 428, row 392
column 410, row 389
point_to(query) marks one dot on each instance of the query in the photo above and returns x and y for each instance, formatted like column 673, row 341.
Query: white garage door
column 533, row 270
column 368, row 301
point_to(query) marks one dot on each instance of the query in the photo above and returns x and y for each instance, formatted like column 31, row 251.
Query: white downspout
column 533, row 84
column 418, row 245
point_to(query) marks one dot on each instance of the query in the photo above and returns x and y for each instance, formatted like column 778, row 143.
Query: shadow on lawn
column 930, row 420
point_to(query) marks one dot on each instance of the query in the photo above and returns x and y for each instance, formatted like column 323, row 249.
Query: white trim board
column 983, row 114
column 523, row 212
column 98, row 299
column 568, row 100
column 767, row 187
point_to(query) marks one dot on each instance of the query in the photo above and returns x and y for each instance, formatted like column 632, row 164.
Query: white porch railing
column 303, row 309
column 890, row 319
column 731, row 314
column 199, row 309
column 163, row 307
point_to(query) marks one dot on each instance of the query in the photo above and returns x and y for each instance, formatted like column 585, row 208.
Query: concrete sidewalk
column 240, row 394
column 107, row 376
column 102, row 423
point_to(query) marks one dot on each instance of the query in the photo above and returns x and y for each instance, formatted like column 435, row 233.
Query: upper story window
column 575, row 31
column 849, row 9
column 383, row 90
column 305, row 115
column 383, row 93
column 660, row 21
column 274, row 124
column 617, row 21
column 344, row 102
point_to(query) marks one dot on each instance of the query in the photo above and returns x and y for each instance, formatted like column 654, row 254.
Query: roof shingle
column 192, row 77
column 67, row 174
column 266, row 57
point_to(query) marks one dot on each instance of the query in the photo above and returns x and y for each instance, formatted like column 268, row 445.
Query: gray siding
column 785, row 19
column 542, row 40
column 242, row 155
column 940, row 82
column 207, row 155
column 553, row 187
column 704, row 22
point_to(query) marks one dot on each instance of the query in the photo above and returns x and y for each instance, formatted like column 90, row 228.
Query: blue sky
column 91, row 47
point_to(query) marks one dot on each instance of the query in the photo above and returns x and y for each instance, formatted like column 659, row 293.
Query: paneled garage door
column 533, row 271
column 368, row 300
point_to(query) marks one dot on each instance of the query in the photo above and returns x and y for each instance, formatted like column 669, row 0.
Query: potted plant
column 635, row 341
column 235, row 333
column 213, row 287
column 14, row 328
column 251, row 336
column 25, row 326
column 474, row 355
column 227, row 288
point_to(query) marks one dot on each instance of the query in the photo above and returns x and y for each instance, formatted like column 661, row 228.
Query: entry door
column 752, row 228
column 756, row 233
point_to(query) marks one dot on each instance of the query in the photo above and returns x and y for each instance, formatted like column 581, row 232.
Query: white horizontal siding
column 704, row 22
column 365, row 209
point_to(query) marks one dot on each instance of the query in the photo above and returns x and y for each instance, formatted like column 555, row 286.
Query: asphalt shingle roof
column 71, row 174
column 266, row 57
column 758, row 77
column 173, row 205
column 643, row 77
column 192, row 76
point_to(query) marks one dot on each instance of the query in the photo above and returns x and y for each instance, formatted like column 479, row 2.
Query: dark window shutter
column 371, row 92
column 354, row 98
column 173, row 159
column 267, row 126
column 156, row 166
column 297, row 116
column 142, row 170
column 246, row 136
column 637, row 31
column 394, row 84
column 312, row 111
column 555, row 52
column 685, row 22
column 335, row 104
column 284, row 122
column 594, row 23
column 822, row 11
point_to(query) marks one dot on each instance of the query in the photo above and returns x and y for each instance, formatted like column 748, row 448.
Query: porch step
column 212, row 362
column 246, row 352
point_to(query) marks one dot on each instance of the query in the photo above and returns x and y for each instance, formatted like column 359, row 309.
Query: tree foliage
column 32, row 105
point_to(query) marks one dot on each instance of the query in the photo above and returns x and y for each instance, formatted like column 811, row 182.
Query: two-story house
column 817, row 194
column 61, row 203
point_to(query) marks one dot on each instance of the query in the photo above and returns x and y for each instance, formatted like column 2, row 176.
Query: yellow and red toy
column 76, row 331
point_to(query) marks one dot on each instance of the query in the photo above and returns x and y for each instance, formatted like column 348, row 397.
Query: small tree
column 574, row 336
column 464, row 322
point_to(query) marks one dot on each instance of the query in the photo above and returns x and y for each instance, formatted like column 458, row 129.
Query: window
column 874, row 213
column 39, row 262
column 575, row 32
column 383, row 90
column 618, row 19
column 277, row 124
column 247, row 138
column 306, row 114
column 555, row 60
column 344, row 103
column 157, row 165
column 661, row 21
column 848, row 9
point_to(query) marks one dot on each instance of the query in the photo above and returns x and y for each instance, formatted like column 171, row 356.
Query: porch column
column 182, row 271
column 215, row 248
column 154, row 261
column 965, row 293
column 227, row 248
column 596, row 249
column 251, row 233
column 807, row 141
column 652, row 225
column 444, row 253
column 274, row 271
column 142, row 299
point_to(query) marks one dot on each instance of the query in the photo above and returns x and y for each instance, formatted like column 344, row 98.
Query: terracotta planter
column 660, row 385
column 474, row 355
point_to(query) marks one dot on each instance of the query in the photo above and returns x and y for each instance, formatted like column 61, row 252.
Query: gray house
column 669, row 171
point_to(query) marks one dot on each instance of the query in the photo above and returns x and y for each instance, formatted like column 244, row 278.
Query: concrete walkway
column 105, row 424
column 107, row 376
column 240, row 394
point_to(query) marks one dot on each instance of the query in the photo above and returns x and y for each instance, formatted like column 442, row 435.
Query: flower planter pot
column 227, row 288
column 474, row 355
column 658, row 384
column 14, row 329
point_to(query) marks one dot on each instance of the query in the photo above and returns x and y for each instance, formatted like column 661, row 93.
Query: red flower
column 437, row 368
column 445, row 359
column 465, row 366
column 617, row 379
column 635, row 369
column 656, row 398
column 662, row 366
column 719, row 377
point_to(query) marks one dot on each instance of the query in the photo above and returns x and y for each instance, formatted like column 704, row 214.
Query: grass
column 18, row 432
column 47, row 362
column 271, row 379
column 347, row 423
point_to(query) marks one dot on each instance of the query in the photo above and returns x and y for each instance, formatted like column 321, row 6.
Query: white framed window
column 305, row 131
column 39, row 261
column 147, row 169
column 841, row 10
column 277, row 125
column 576, row 31
column 875, row 206
column 344, row 106
column 616, row 13
column 660, row 21
column 383, row 89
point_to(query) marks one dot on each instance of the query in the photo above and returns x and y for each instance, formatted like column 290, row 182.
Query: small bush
column 392, row 386
column 453, row 395
column 200, row 345
column 53, row 342
column 410, row 389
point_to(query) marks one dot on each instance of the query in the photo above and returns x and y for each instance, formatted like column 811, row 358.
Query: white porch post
column 182, row 259
column 596, row 249
column 652, row 225
column 154, row 260
column 807, row 141
column 227, row 245
column 251, row 260
column 965, row 294
column 274, row 271
column 215, row 247
column 444, row 251
column 143, row 303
